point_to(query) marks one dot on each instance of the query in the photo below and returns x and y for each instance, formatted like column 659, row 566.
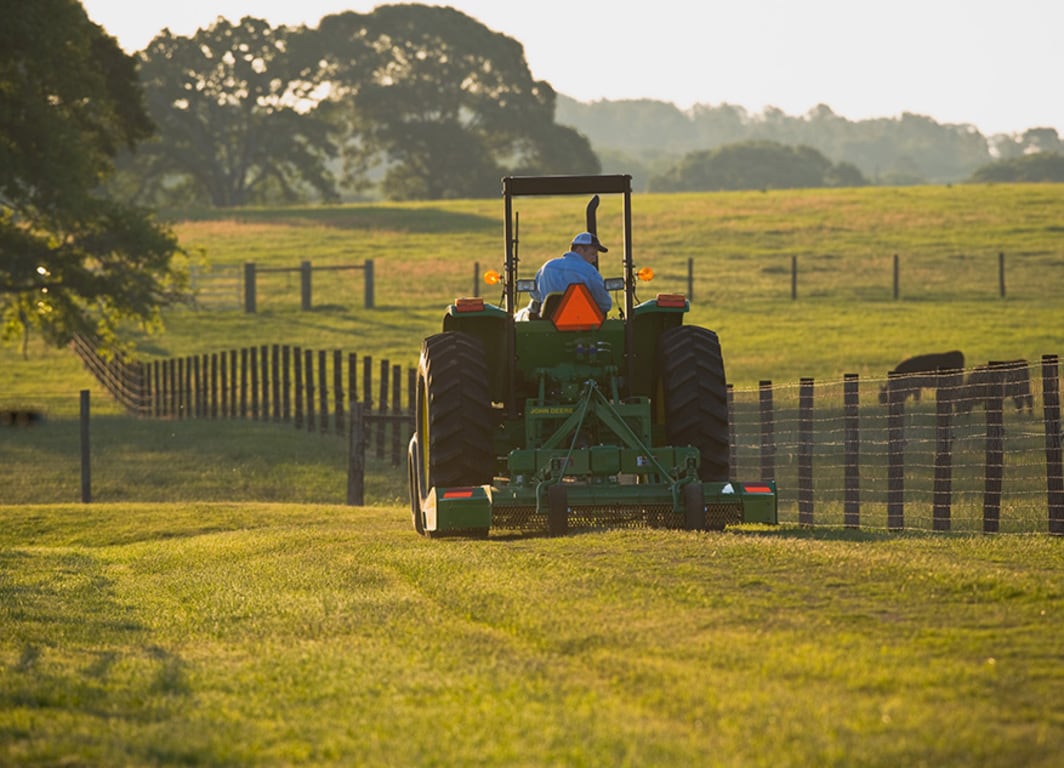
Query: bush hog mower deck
column 574, row 420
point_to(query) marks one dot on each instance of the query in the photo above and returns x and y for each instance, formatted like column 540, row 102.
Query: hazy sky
column 994, row 65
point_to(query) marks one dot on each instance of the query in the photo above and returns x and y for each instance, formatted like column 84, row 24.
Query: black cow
column 920, row 372
column 1017, row 385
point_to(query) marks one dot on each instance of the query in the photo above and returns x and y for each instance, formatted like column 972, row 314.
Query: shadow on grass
column 373, row 217
column 830, row 533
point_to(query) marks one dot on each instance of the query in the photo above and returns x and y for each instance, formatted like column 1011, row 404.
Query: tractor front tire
column 696, row 397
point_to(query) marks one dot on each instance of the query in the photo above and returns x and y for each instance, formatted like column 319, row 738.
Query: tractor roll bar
column 521, row 186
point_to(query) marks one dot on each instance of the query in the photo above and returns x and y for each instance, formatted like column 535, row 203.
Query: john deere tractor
column 572, row 419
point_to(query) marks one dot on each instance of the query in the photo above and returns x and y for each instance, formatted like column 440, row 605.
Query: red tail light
column 469, row 305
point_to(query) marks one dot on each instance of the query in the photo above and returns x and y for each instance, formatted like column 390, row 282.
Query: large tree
column 236, row 115
column 442, row 103
column 71, row 259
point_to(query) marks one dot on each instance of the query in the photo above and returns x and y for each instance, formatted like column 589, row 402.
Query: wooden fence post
column 304, row 286
column 286, row 383
column 382, row 407
column 297, row 375
column 338, row 390
column 367, row 395
column 308, row 387
column 1054, row 471
column 895, row 454
column 397, row 412
column 275, row 363
column 323, row 390
column 768, row 448
column 232, row 384
column 1001, row 274
column 264, row 374
column 243, row 382
column 995, row 449
column 86, row 454
column 946, row 385
column 356, row 463
column 202, row 386
column 368, row 272
column 223, row 384
column 249, row 287
column 851, row 451
column 805, row 451
column 189, row 387
column 253, row 368
column 214, row 385
column 352, row 376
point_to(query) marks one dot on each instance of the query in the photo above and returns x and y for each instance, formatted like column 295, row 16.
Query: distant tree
column 755, row 165
column 441, row 103
column 1037, row 167
column 1007, row 146
column 71, row 259
column 235, row 105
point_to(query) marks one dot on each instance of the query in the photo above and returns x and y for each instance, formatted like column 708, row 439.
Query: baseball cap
column 586, row 238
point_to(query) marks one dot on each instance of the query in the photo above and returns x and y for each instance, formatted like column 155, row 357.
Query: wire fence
column 919, row 452
column 967, row 450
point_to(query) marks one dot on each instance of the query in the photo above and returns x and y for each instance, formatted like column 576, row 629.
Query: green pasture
column 216, row 605
column 311, row 634
column 740, row 247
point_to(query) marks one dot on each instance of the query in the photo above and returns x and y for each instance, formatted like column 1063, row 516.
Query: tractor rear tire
column 696, row 397
column 454, row 414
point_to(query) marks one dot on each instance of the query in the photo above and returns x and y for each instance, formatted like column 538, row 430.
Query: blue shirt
column 559, row 273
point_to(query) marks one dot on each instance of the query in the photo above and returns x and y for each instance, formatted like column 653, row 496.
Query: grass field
column 215, row 606
column 257, row 634
column 741, row 246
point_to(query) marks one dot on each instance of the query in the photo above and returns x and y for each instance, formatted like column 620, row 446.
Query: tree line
column 666, row 148
column 405, row 102
column 414, row 101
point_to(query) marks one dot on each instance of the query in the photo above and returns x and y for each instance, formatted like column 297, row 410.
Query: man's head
column 588, row 246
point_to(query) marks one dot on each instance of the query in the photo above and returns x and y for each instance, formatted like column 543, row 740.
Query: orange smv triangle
column 577, row 310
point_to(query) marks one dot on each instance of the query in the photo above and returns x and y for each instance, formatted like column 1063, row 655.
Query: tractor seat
column 550, row 305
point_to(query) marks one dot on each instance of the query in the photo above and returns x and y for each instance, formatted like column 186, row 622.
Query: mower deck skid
column 566, row 506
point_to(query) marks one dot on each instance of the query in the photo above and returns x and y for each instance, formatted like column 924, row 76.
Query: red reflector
column 469, row 305
column 458, row 493
column 577, row 310
column 671, row 300
column 757, row 488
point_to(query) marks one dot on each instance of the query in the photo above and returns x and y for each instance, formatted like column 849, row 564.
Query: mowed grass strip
column 300, row 634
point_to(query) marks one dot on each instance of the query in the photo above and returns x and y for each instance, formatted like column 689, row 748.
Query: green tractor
column 574, row 420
